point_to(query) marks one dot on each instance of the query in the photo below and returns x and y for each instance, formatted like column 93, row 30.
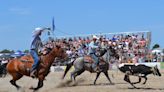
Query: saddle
column 101, row 61
column 88, row 59
column 27, row 62
column 27, row 58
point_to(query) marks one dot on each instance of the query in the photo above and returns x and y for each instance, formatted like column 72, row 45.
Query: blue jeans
column 36, row 59
column 96, row 60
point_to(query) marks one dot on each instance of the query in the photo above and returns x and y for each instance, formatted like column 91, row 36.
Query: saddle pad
column 88, row 59
column 27, row 60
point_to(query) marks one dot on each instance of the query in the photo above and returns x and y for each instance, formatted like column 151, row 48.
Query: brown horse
column 17, row 68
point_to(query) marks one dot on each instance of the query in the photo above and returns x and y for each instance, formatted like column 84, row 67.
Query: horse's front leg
column 96, row 77
column 107, row 76
column 16, row 76
column 40, row 82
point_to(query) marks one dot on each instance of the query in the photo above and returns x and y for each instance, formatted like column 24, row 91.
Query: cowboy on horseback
column 36, row 47
column 93, row 45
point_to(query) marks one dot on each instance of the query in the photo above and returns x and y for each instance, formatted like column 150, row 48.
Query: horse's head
column 100, row 52
column 113, row 52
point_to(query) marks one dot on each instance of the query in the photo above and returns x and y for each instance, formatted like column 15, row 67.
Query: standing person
column 93, row 45
column 36, row 46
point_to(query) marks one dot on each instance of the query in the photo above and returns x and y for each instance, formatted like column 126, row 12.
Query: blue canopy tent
column 18, row 54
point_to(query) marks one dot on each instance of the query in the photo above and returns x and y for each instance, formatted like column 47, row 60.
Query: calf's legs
column 126, row 78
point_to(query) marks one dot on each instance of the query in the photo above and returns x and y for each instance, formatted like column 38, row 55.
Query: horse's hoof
column 32, row 76
column 32, row 88
column 18, row 88
column 35, row 89
column 74, row 83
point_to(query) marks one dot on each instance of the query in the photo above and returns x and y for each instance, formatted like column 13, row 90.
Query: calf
column 138, row 70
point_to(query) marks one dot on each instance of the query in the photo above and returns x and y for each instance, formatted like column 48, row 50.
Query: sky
column 18, row 19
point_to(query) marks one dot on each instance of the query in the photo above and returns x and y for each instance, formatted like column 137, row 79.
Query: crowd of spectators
column 132, row 48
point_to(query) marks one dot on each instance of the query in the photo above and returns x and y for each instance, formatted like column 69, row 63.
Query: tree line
column 12, row 51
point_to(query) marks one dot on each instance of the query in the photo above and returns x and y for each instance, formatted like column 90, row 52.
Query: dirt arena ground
column 53, row 83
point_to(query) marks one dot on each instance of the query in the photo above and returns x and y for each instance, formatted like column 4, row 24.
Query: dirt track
column 54, row 83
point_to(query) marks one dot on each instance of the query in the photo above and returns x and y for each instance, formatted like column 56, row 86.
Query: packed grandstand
column 133, row 47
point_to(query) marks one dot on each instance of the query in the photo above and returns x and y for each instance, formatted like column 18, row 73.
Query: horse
column 80, row 64
column 21, row 66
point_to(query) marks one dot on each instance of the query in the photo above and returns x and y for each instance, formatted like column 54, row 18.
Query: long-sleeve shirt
column 92, row 47
column 36, row 43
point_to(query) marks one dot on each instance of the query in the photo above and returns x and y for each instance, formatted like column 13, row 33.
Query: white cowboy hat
column 95, row 37
column 37, row 31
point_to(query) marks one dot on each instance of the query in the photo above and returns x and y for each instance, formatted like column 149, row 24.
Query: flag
column 53, row 24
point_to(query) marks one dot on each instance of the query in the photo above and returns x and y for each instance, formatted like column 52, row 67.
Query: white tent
column 158, row 51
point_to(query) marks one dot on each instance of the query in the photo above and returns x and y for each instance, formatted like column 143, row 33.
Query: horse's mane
column 49, row 58
column 102, row 52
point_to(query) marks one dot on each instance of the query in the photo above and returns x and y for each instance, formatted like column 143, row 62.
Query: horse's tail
column 1, row 70
column 69, row 65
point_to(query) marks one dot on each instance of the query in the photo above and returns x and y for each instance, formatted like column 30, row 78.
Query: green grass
column 162, row 65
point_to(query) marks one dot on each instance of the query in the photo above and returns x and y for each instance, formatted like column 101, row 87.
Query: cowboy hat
column 37, row 31
column 95, row 37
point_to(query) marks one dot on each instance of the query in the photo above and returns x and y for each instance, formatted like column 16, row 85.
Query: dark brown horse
column 17, row 68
